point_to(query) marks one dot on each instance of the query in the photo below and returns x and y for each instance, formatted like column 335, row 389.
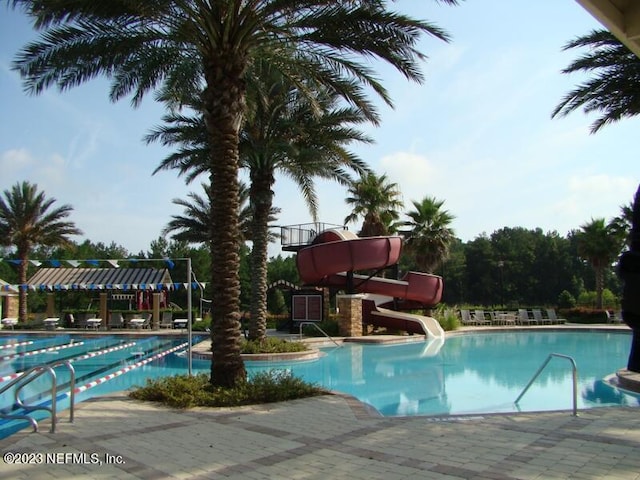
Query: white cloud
column 595, row 196
column 15, row 160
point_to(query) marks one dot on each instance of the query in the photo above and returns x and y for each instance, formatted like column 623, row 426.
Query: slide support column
column 350, row 317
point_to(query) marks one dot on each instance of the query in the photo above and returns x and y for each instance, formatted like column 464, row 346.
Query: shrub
column 583, row 315
column 272, row 345
column 202, row 325
column 588, row 299
column 446, row 317
column 566, row 300
column 330, row 326
column 183, row 391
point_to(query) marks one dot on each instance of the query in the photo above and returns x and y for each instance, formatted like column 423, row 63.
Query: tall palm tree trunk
column 223, row 110
column 599, row 285
column 22, row 288
column 261, row 198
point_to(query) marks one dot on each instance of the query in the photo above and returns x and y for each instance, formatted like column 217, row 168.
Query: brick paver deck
column 325, row 437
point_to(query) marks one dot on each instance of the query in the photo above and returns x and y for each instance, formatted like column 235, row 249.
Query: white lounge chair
column 466, row 319
column 551, row 313
column 480, row 318
column 537, row 315
column 524, row 318
column 165, row 320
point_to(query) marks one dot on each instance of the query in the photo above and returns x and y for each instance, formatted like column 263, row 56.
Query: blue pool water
column 476, row 373
column 470, row 373
column 102, row 364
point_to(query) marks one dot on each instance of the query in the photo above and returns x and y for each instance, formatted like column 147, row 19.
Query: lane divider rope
column 11, row 345
column 126, row 369
column 82, row 357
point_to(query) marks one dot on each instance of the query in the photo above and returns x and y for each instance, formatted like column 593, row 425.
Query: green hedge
column 583, row 315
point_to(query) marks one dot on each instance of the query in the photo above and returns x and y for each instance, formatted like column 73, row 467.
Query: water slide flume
column 334, row 256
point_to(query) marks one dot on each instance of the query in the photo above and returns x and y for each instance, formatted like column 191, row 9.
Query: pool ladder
column 574, row 369
column 29, row 376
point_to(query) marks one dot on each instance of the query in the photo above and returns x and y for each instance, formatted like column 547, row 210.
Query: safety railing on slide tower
column 295, row 237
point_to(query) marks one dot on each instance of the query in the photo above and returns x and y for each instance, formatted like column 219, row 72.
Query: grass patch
column 272, row 345
column 183, row 391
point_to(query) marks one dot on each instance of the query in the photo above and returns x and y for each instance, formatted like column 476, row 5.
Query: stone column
column 350, row 316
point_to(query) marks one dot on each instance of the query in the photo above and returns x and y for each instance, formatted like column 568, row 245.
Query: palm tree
column 192, row 226
column 623, row 222
column 599, row 243
column 285, row 132
column 377, row 201
column 210, row 45
column 615, row 88
column 431, row 234
column 27, row 219
column 302, row 138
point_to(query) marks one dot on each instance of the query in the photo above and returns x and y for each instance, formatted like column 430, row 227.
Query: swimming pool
column 470, row 374
column 102, row 364
column 476, row 373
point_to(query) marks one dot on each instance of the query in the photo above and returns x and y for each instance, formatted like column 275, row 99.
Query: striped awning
column 101, row 279
column 6, row 289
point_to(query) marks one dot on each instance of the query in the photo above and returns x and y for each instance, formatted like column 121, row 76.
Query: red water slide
column 336, row 252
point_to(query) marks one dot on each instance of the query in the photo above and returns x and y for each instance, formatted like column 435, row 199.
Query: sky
column 477, row 134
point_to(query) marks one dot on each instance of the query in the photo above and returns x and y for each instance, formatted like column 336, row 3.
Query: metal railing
column 575, row 379
column 29, row 376
column 303, row 234
column 319, row 329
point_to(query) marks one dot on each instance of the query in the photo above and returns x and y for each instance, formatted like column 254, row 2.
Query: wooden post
column 156, row 311
column 51, row 310
column 103, row 310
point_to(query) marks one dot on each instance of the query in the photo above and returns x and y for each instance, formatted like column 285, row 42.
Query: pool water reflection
column 475, row 373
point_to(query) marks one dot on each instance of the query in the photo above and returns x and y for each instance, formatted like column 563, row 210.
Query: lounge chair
column 165, row 321
column 616, row 317
column 466, row 319
column 537, row 315
column 80, row 320
column 116, row 320
column 524, row 318
column 480, row 318
column 551, row 313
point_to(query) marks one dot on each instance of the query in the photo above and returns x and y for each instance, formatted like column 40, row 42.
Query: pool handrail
column 575, row 379
column 30, row 375
column 315, row 324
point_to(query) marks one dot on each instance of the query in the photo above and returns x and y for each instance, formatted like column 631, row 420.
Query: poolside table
column 180, row 322
column 51, row 323
column 93, row 323
column 136, row 322
column 10, row 322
